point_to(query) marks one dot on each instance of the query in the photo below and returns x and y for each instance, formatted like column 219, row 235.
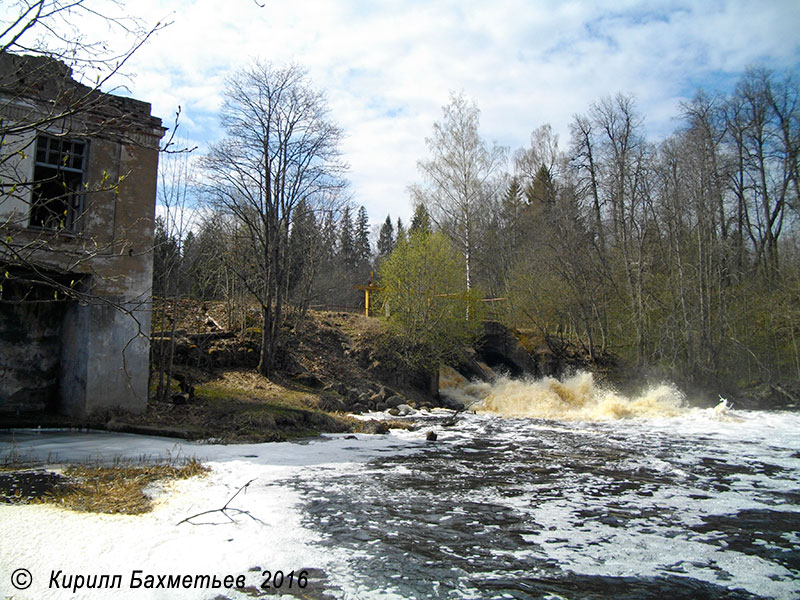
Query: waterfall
column 575, row 398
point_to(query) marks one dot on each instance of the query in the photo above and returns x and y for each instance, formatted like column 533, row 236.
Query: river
column 621, row 497
column 548, row 490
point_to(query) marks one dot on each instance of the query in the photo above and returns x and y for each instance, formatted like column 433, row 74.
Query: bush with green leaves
column 423, row 290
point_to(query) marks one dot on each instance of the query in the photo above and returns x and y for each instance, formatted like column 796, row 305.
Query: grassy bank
column 237, row 406
column 115, row 489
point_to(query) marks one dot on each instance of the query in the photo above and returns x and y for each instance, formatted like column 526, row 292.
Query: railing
column 337, row 308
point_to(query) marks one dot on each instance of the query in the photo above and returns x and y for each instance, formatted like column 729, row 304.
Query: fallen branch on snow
column 226, row 509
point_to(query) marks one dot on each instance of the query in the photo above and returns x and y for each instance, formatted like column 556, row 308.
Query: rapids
column 565, row 489
column 549, row 489
column 575, row 398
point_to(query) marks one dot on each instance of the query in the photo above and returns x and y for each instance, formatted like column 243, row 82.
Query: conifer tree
column 347, row 244
column 304, row 254
column 541, row 192
column 421, row 221
column 386, row 238
column 363, row 251
column 401, row 231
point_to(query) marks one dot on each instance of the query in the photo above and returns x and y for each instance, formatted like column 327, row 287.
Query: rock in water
column 394, row 401
column 431, row 437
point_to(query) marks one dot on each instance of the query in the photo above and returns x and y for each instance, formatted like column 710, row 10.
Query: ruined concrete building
column 77, row 201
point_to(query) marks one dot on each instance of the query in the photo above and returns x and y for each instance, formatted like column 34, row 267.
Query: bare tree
column 57, row 88
column 584, row 152
column 56, row 29
column 764, row 132
column 60, row 238
column 281, row 148
column 176, row 216
column 624, row 164
column 543, row 153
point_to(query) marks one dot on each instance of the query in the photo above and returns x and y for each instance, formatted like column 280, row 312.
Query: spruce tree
column 363, row 251
column 386, row 238
column 421, row 221
column 303, row 243
column 328, row 235
column 401, row 231
column 542, row 190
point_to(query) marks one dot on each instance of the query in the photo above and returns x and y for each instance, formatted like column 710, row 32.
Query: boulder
column 332, row 402
column 393, row 401
column 378, row 427
column 452, row 404
column 338, row 387
column 387, row 393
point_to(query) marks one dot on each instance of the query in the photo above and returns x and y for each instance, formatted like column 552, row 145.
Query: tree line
column 679, row 254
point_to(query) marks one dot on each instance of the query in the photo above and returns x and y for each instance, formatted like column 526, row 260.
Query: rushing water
column 548, row 489
column 668, row 502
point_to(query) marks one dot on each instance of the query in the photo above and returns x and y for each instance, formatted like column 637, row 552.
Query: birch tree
column 461, row 174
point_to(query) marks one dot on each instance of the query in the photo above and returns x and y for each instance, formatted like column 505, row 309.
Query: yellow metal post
column 370, row 287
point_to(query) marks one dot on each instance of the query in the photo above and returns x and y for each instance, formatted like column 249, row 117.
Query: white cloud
column 388, row 67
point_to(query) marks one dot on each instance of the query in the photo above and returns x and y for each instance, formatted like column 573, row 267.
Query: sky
column 388, row 67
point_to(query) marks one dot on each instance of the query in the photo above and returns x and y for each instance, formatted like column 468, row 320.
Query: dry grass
column 237, row 406
column 353, row 324
column 254, row 387
column 116, row 489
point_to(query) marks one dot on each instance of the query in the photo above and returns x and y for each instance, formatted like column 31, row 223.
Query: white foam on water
column 575, row 398
column 657, row 434
column 656, row 535
column 46, row 539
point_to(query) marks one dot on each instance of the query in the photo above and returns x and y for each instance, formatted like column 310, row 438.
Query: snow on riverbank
column 46, row 540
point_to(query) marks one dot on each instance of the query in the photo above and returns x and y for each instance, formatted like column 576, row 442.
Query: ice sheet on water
column 101, row 446
column 43, row 538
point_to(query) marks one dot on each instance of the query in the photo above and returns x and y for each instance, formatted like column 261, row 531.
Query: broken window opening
column 58, row 176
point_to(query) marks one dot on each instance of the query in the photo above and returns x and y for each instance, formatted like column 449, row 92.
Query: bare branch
column 225, row 509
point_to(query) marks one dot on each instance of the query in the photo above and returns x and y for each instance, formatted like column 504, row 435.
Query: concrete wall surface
column 82, row 346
